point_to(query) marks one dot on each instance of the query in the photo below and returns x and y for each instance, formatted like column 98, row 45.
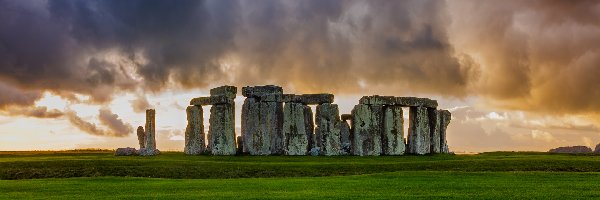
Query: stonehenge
column 275, row 123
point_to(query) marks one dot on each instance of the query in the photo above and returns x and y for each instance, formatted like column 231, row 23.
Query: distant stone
column 258, row 91
column 194, row 132
column 345, row 137
column 573, row 149
column 392, row 138
column 227, row 91
column 296, row 141
column 141, row 136
column 150, row 145
column 212, row 100
column 315, row 99
column 597, row 150
column 221, row 131
column 400, row 101
column 126, row 152
column 346, row 117
column 366, row 130
column 418, row 131
column 435, row 128
column 445, row 118
column 328, row 130
column 148, row 152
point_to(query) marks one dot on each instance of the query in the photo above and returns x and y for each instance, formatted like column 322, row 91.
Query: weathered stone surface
column 345, row 137
column 272, row 113
column 212, row 100
column 226, row 90
column 315, row 151
column 573, row 149
column 445, row 117
column 277, row 97
column 141, row 136
column 392, row 138
column 416, row 102
column 150, row 145
column 328, row 129
column 418, row 131
column 296, row 141
column 194, row 132
column 435, row 120
column 148, row 152
column 126, row 152
column 262, row 124
column 314, row 99
column 366, row 130
column 346, row 117
column 221, row 131
column 400, row 101
column 258, row 91
column 597, row 149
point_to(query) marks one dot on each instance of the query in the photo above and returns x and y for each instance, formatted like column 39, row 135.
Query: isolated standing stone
column 328, row 129
column 150, row 146
column 221, row 131
column 445, row 117
column 392, row 138
column 294, row 129
column 309, row 125
column 345, row 137
column 434, row 125
column 141, row 137
column 366, row 130
column 194, row 132
column 418, row 132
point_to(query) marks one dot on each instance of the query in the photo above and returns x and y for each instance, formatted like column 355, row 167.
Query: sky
column 516, row 75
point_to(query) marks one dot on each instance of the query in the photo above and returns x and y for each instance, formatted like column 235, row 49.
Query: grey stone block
column 141, row 136
column 126, row 152
column 366, row 130
column 194, row 132
column 328, row 129
column 226, row 90
column 257, row 91
column 392, row 138
column 150, row 144
column 445, row 117
column 221, row 131
column 294, row 129
column 212, row 100
column 434, row 126
column 418, row 131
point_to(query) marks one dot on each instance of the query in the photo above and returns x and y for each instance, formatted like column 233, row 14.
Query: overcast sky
column 516, row 75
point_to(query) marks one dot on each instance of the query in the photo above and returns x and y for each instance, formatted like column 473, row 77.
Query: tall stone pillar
column 150, row 138
column 392, row 138
column 141, row 137
column 434, row 126
column 328, row 129
column 221, row 131
column 345, row 137
column 309, row 126
column 296, row 140
column 418, row 132
column 366, row 130
column 445, row 117
column 194, row 132
column 262, row 120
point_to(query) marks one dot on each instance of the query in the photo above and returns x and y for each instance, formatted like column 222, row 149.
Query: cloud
column 116, row 127
column 140, row 104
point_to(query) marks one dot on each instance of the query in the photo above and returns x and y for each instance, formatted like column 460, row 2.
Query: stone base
column 148, row 152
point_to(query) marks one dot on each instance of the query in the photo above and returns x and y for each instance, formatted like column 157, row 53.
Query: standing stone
column 445, row 117
column 328, row 129
column 221, row 131
column 240, row 145
column 309, row 125
column 150, row 138
column 272, row 124
column 418, row 132
column 345, row 137
column 434, row 126
column 141, row 137
column 256, row 142
column 294, row 129
column 366, row 130
column 194, row 132
column 392, row 138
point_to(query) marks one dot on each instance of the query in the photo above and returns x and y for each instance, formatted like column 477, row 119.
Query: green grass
column 79, row 174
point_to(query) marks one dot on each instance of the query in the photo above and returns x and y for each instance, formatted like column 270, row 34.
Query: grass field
column 173, row 175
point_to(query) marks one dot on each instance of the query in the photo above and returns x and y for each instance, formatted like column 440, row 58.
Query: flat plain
column 100, row 175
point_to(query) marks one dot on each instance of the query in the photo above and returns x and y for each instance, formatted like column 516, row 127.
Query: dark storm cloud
column 115, row 126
